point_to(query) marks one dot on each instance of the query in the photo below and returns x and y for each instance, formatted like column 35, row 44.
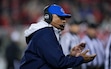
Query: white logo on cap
column 62, row 10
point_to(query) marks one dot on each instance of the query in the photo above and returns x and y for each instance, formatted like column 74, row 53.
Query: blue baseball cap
column 58, row 10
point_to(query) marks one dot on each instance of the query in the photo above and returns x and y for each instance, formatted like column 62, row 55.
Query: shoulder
column 46, row 29
column 45, row 35
column 44, row 32
column 85, row 37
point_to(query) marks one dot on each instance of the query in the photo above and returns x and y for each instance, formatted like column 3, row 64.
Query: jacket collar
column 41, row 24
column 34, row 27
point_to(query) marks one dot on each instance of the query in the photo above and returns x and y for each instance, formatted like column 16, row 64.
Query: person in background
column 71, row 38
column 108, row 54
column 106, row 23
column 13, row 51
column 95, row 46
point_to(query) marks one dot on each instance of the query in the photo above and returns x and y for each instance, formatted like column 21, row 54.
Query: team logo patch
column 62, row 10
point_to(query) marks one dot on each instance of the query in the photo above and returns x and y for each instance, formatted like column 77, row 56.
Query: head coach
column 44, row 50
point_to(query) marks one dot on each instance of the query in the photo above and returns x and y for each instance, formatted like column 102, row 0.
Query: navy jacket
column 45, row 52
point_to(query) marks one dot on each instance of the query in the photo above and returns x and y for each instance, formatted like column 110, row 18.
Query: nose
column 64, row 21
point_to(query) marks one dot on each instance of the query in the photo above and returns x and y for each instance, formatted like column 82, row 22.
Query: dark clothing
column 45, row 52
column 95, row 67
column 12, row 53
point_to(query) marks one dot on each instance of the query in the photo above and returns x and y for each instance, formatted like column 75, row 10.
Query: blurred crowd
column 17, row 15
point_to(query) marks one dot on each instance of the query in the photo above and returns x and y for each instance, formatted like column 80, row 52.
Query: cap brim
column 65, row 15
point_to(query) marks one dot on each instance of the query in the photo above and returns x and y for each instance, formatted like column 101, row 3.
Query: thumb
column 73, row 48
column 86, row 51
column 92, row 56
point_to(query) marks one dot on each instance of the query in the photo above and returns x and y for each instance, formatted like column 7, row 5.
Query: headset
column 47, row 15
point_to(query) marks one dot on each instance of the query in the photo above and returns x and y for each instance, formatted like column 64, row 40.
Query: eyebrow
column 62, row 18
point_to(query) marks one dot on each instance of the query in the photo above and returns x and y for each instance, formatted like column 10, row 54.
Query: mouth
column 62, row 26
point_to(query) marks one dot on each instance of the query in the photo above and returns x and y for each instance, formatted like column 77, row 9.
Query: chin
column 61, row 28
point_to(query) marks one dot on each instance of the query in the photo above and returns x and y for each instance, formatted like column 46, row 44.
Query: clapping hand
column 75, row 51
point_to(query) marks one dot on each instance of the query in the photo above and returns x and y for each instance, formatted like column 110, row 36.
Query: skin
column 56, row 22
column 75, row 51
column 91, row 32
column 75, row 28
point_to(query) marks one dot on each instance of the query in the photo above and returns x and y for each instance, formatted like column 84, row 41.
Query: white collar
column 35, row 27
column 41, row 24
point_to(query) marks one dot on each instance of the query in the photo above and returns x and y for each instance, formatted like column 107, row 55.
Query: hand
column 75, row 51
column 87, row 58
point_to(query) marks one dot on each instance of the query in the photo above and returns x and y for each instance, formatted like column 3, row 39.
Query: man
column 44, row 50
column 72, row 38
column 95, row 46
column 108, row 54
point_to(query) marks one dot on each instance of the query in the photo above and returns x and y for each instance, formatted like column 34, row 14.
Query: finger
column 92, row 56
column 86, row 51
column 91, row 59
column 82, row 46
column 73, row 48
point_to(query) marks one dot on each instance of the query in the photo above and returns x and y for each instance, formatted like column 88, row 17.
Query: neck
column 73, row 33
column 91, row 37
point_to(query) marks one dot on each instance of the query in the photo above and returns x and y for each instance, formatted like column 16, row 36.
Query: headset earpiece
column 47, row 15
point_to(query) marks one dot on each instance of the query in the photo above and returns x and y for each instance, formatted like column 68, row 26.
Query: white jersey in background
column 108, row 54
column 94, row 46
column 68, row 41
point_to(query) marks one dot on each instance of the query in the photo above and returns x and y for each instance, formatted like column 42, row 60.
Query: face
column 74, row 28
column 91, row 32
column 58, row 22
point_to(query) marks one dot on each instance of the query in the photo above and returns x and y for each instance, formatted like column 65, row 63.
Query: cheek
column 93, row 32
column 76, row 28
column 58, row 21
